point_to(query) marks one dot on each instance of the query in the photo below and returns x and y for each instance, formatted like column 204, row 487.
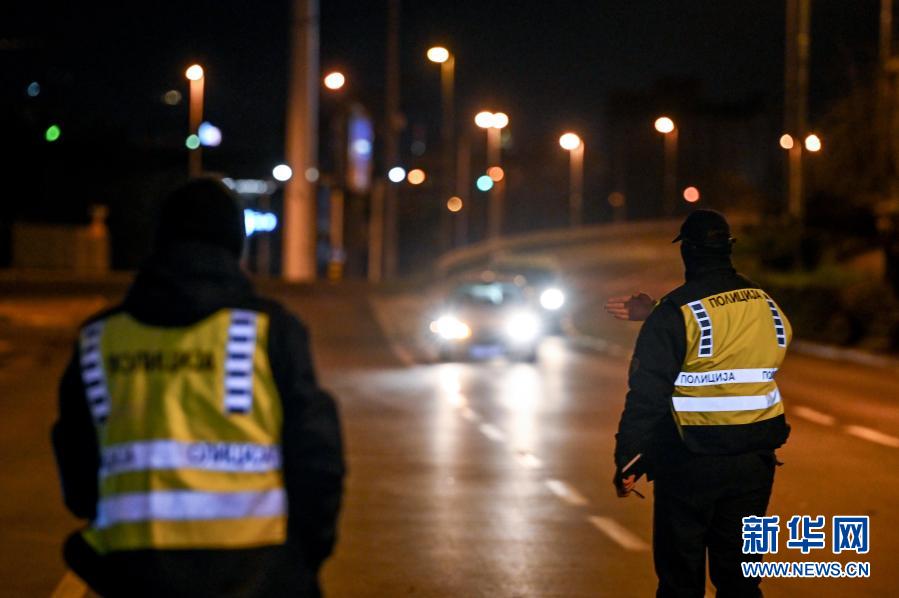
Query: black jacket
column 647, row 426
column 179, row 286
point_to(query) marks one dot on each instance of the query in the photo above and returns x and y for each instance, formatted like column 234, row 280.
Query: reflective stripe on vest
column 727, row 403
column 92, row 371
column 207, row 456
column 778, row 325
column 705, row 328
column 239, row 362
column 715, row 377
column 185, row 505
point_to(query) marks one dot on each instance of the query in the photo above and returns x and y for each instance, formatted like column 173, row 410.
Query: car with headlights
column 481, row 319
column 542, row 283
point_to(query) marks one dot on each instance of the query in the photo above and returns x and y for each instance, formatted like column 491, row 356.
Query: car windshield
column 493, row 293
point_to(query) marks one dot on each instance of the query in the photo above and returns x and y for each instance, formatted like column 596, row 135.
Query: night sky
column 103, row 67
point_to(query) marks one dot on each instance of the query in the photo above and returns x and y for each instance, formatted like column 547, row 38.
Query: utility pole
column 391, row 141
column 301, row 144
column 885, row 153
column 796, row 98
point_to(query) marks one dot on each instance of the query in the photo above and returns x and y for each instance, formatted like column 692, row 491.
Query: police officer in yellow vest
column 703, row 415
column 192, row 434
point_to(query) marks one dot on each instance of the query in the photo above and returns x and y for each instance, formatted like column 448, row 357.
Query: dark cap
column 202, row 210
column 705, row 228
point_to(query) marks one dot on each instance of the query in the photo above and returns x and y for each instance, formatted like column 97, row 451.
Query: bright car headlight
column 450, row 328
column 552, row 299
column 523, row 327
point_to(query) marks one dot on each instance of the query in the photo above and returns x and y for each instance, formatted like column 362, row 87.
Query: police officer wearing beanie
column 703, row 415
column 192, row 434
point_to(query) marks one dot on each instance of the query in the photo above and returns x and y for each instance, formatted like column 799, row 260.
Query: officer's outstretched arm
column 635, row 308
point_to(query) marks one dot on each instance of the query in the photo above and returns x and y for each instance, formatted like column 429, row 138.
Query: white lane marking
column 529, row 460
column 873, row 436
column 70, row 586
column 469, row 414
column 492, row 432
column 618, row 533
column 812, row 415
column 566, row 492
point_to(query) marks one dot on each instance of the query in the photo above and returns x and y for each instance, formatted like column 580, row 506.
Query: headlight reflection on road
column 520, row 395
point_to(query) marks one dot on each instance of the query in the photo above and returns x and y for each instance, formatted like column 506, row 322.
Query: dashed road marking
column 813, row 416
column 70, row 586
column 492, row 432
column 529, row 460
column 567, row 493
column 873, row 436
column 618, row 533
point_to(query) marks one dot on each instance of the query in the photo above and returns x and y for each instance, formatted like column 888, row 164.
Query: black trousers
column 699, row 506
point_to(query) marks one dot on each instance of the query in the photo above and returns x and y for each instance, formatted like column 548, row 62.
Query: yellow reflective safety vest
column 725, row 397
column 188, row 422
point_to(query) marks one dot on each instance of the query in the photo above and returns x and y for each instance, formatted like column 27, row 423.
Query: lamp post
column 575, row 146
column 446, row 60
column 494, row 123
column 197, row 78
column 669, row 131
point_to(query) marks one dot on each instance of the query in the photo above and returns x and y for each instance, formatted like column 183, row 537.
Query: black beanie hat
column 707, row 229
column 202, row 210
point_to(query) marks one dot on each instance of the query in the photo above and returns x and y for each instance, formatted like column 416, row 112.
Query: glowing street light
column 664, row 125
column 334, row 80
column 282, row 173
column 786, row 141
column 496, row 173
column 691, row 194
column 416, row 176
column 454, row 204
column 397, row 174
column 484, row 119
column 494, row 123
column 194, row 72
column 668, row 129
column 197, row 77
column 438, row 54
column 500, row 120
column 575, row 146
column 813, row 143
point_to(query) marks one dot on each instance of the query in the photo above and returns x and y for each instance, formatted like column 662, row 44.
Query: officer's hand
column 635, row 308
column 623, row 486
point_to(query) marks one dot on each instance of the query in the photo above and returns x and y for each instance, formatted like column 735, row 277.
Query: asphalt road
column 477, row 479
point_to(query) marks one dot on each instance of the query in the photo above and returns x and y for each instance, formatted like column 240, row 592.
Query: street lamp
column 334, row 80
column 813, row 143
column 575, row 146
column 494, row 123
column 197, row 78
column 446, row 60
column 669, row 131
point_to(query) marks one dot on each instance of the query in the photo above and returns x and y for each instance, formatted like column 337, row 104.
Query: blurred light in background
column 496, row 173
column 194, row 72
column 664, row 125
column 416, row 176
column 691, row 194
column 259, row 222
column 484, row 119
column 334, row 80
column 312, row 174
column 484, row 183
column 52, row 133
column 438, row 54
column 500, row 120
column 192, row 142
column 616, row 199
column 454, row 204
column 813, row 143
column 209, row 134
column 786, row 141
column 33, row 89
column 282, row 172
column 397, row 174
column 172, row 97
column 570, row 141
